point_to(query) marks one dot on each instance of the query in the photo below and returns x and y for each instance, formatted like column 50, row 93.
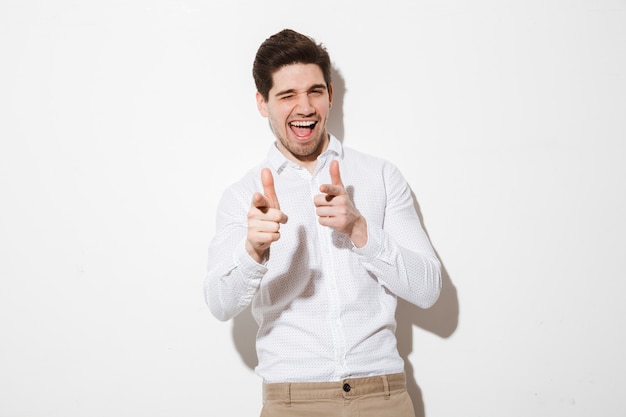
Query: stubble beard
column 307, row 152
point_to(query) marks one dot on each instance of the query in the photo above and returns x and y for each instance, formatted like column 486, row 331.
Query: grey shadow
column 335, row 119
column 441, row 319
column 245, row 328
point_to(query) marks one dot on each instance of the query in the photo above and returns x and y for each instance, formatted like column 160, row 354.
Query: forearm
column 412, row 274
column 232, row 279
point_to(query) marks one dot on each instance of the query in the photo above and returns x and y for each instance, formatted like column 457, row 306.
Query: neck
column 307, row 161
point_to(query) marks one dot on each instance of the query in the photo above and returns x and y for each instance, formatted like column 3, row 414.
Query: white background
column 121, row 122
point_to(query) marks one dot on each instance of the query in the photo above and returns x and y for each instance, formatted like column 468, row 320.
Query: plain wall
column 121, row 122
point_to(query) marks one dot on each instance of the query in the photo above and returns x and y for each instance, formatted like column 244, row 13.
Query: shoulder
column 359, row 161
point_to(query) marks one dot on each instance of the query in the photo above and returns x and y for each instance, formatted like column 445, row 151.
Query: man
column 320, row 239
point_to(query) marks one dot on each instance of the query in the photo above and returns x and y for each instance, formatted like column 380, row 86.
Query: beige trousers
column 377, row 396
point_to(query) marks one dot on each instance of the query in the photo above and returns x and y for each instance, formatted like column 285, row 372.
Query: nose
column 304, row 106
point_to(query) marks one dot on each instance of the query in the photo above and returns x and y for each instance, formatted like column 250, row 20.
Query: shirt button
column 346, row 387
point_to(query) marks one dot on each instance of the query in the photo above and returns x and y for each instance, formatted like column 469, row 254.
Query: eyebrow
column 293, row 91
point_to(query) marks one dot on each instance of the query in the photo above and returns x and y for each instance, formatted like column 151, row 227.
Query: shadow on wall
column 441, row 319
column 335, row 119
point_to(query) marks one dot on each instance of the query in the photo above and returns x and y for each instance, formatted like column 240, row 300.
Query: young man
column 320, row 239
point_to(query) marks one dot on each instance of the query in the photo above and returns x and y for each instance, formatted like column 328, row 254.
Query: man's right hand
column 264, row 218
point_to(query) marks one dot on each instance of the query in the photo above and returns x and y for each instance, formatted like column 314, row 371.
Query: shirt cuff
column 374, row 244
column 251, row 270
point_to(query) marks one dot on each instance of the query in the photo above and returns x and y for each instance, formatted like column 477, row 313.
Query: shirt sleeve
column 233, row 277
column 398, row 252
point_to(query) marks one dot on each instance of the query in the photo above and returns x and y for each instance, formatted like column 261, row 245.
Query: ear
column 330, row 95
column 261, row 104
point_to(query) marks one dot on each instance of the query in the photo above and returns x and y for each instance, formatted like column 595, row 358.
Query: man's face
column 297, row 109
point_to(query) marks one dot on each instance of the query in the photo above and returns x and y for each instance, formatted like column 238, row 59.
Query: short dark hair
column 285, row 48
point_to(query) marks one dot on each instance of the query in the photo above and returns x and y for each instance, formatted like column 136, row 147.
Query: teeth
column 308, row 123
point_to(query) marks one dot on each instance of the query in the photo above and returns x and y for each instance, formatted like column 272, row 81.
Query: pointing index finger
column 336, row 186
column 335, row 176
column 268, row 188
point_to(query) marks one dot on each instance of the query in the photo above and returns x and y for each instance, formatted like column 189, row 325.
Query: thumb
column 335, row 176
column 268, row 187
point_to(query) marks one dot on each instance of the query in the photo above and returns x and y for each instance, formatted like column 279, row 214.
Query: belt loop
column 386, row 386
column 288, row 403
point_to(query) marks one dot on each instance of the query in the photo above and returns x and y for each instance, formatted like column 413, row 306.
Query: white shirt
column 325, row 309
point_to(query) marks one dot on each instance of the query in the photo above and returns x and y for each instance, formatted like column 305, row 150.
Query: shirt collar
column 278, row 162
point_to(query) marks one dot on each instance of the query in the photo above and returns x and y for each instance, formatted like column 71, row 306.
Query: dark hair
column 285, row 48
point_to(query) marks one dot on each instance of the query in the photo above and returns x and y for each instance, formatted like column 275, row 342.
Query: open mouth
column 302, row 128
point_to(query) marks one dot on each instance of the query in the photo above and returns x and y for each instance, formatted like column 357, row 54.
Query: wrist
column 358, row 236
column 258, row 256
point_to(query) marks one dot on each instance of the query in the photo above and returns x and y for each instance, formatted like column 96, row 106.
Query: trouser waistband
column 347, row 388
